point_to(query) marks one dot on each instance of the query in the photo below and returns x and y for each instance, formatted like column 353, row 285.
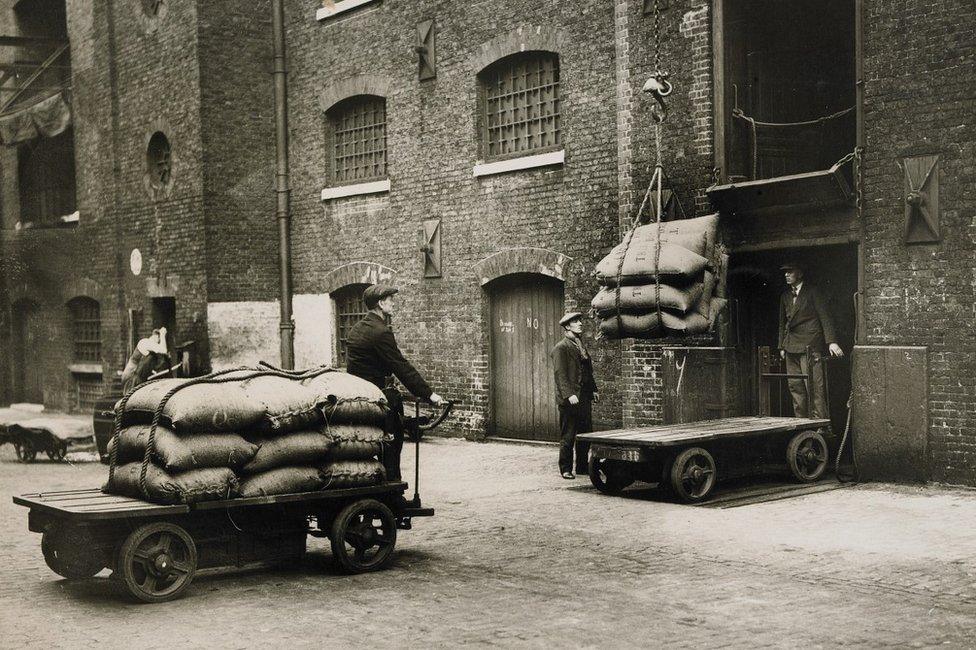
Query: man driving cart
column 372, row 353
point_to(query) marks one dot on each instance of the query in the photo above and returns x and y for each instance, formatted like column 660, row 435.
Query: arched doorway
column 25, row 341
column 524, row 312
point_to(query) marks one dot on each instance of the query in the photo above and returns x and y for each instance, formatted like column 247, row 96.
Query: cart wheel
column 68, row 552
column 807, row 456
column 693, row 474
column 58, row 451
column 157, row 561
column 26, row 451
column 608, row 476
column 363, row 536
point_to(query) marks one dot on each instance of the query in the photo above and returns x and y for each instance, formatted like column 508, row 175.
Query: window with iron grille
column 89, row 391
column 358, row 136
column 86, row 330
column 521, row 104
column 350, row 308
column 46, row 171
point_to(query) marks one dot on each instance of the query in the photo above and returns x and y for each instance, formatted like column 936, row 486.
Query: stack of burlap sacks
column 690, row 286
column 248, row 433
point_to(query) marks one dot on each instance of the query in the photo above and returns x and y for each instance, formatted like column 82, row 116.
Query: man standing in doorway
column 575, row 392
column 805, row 324
column 372, row 353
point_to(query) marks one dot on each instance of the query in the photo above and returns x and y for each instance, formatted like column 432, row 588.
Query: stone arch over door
column 523, row 260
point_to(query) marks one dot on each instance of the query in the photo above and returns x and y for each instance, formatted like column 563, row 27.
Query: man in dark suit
column 805, row 322
column 372, row 353
column 575, row 392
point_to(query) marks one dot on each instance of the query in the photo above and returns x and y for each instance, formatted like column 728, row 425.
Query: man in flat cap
column 372, row 353
column 575, row 392
column 805, row 322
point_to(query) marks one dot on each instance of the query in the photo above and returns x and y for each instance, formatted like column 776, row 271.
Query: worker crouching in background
column 575, row 393
column 149, row 356
column 372, row 353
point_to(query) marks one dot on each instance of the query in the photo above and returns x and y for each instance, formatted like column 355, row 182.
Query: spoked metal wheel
column 58, row 451
column 25, row 450
column 157, row 561
column 68, row 552
column 608, row 476
column 693, row 474
column 807, row 456
column 363, row 536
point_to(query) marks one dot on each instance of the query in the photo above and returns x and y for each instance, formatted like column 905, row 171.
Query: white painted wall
column 243, row 333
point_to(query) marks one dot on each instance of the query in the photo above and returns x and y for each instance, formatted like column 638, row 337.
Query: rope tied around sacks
column 654, row 186
column 218, row 377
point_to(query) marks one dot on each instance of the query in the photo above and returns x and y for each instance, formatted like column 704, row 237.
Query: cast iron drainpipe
column 287, row 325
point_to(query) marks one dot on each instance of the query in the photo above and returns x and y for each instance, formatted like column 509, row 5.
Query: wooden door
column 700, row 383
column 27, row 385
column 525, row 312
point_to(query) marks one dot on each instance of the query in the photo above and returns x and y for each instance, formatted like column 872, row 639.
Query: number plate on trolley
column 632, row 454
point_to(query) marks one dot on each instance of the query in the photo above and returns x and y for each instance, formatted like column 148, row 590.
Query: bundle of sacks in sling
column 671, row 281
column 248, row 432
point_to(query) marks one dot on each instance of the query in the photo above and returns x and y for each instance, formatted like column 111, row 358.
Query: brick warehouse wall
column 433, row 146
column 919, row 73
column 684, row 51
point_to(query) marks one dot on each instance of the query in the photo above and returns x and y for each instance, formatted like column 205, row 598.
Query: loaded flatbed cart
column 689, row 457
column 154, row 550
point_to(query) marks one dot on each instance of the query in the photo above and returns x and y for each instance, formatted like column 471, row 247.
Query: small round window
column 158, row 160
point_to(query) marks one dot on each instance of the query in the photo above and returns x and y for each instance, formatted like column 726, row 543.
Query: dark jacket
column 806, row 322
column 372, row 353
column 573, row 372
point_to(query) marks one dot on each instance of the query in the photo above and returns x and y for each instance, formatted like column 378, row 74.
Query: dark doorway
column 789, row 86
column 755, row 285
column 164, row 315
column 26, row 340
column 525, row 312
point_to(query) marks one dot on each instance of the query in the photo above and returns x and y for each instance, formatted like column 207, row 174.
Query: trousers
column 800, row 363
column 574, row 420
column 394, row 427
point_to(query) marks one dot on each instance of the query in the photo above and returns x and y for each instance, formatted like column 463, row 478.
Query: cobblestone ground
column 517, row 556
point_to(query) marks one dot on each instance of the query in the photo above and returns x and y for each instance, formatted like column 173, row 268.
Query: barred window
column 86, row 330
column 521, row 104
column 350, row 308
column 359, row 139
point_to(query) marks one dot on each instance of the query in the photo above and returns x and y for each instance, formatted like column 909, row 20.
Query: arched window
column 349, row 309
column 520, row 104
column 357, row 137
column 86, row 330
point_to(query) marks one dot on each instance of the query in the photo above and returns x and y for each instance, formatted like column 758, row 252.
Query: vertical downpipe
column 287, row 325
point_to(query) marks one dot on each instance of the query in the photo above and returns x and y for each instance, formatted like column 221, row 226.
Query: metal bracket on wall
column 425, row 48
column 430, row 246
column 921, row 199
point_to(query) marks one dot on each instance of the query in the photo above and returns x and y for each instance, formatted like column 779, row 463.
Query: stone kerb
column 522, row 260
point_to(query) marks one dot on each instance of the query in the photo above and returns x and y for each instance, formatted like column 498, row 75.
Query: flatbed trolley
column 154, row 550
column 688, row 457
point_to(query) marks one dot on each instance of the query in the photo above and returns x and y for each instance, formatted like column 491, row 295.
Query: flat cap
column 376, row 292
column 570, row 317
column 790, row 265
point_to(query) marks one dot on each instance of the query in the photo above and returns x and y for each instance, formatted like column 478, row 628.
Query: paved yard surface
column 517, row 556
